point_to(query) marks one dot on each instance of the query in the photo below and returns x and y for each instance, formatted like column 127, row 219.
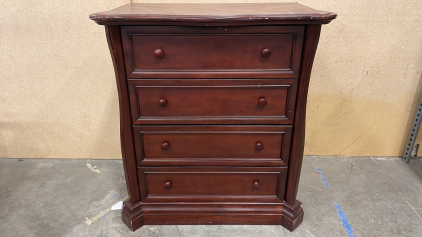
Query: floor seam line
column 397, row 191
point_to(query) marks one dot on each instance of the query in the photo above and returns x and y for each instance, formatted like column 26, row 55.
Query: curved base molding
column 292, row 215
column 287, row 215
column 132, row 215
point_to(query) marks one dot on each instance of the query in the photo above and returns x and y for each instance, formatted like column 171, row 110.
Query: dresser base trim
column 292, row 215
column 206, row 213
column 132, row 215
column 214, row 219
column 287, row 215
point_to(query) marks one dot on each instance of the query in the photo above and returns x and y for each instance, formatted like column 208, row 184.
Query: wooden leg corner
column 132, row 215
column 292, row 215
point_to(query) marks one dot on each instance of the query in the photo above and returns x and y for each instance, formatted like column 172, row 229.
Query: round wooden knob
column 165, row 145
column 167, row 185
column 259, row 146
column 162, row 102
column 266, row 52
column 256, row 185
column 159, row 53
column 262, row 101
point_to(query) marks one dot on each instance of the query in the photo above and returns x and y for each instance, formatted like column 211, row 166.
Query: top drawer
column 212, row 52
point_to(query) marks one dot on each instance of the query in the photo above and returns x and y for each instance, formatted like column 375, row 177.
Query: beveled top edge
column 235, row 13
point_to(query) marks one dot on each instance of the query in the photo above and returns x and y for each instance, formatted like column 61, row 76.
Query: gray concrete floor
column 342, row 196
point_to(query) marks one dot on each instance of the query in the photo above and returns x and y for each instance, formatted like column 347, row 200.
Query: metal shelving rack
column 413, row 134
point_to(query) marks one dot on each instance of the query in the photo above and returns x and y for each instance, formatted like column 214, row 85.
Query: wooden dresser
column 212, row 109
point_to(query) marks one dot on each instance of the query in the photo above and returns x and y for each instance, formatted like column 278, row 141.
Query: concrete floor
column 342, row 196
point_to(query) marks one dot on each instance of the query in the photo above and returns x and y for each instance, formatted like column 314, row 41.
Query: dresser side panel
column 312, row 33
column 126, row 134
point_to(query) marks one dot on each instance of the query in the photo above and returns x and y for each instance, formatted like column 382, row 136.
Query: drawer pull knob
column 256, row 185
column 159, row 53
column 167, row 185
column 262, row 101
column 165, row 145
column 266, row 53
column 259, row 146
column 162, row 102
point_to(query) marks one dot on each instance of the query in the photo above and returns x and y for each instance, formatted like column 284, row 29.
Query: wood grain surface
column 188, row 101
column 212, row 100
column 204, row 52
column 237, row 13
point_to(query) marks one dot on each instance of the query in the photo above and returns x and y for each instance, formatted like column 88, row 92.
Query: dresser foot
column 132, row 215
column 292, row 215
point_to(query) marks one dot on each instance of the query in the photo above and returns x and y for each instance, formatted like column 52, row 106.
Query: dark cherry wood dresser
column 212, row 109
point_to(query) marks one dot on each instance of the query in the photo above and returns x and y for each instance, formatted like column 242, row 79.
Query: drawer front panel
column 227, row 49
column 197, row 145
column 219, row 183
column 212, row 145
column 212, row 101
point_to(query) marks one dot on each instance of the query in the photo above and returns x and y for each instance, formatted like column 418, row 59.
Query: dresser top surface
column 240, row 13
